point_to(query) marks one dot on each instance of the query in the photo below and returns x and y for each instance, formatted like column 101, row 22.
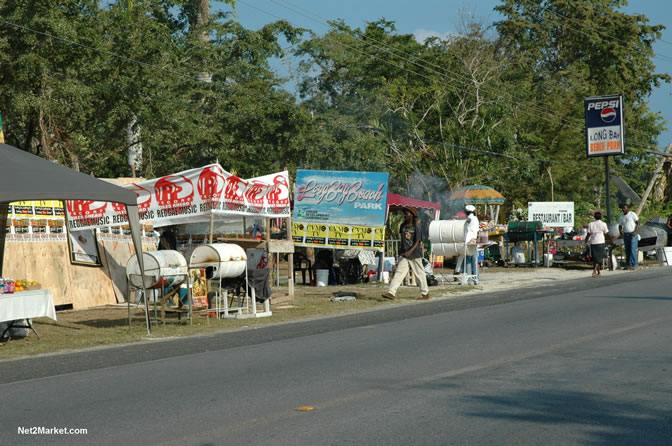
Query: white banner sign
column 552, row 214
column 190, row 196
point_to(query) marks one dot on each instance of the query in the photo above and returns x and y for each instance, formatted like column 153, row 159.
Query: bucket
column 548, row 260
column 518, row 255
column 386, row 277
column 322, row 277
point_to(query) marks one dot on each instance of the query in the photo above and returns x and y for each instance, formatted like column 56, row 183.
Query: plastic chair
column 303, row 264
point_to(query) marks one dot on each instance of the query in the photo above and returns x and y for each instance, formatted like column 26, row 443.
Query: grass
column 80, row 329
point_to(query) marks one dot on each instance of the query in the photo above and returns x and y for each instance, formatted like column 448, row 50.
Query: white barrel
column 447, row 231
column 220, row 260
column 170, row 265
column 322, row 277
column 453, row 249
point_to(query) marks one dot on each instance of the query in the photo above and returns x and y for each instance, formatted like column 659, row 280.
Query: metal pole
column 606, row 179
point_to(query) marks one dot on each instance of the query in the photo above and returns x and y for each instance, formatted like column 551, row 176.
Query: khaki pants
column 402, row 269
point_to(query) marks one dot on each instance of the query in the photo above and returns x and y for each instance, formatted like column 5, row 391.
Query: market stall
column 208, row 204
column 50, row 181
column 486, row 199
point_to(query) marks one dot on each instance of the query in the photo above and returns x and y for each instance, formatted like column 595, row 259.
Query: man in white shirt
column 628, row 225
column 471, row 237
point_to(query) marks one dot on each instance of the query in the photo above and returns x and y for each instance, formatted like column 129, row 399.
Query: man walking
column 628, row 225
column 411, row 256
column 471, row 237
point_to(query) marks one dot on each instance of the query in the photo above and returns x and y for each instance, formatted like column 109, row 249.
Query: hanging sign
column 604, row 125
column 188, row 197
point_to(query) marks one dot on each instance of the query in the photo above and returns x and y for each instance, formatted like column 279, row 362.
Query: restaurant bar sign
column 338, row 209
column 604, row 125
column 552, row 214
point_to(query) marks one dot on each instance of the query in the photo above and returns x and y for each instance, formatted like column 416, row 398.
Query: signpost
column 605, row 132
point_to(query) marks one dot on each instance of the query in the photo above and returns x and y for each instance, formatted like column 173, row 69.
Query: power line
column 538, row 112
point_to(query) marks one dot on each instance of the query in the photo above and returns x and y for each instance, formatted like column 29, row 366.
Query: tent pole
column 134, row 223
column 212, row 226
column 4, row 207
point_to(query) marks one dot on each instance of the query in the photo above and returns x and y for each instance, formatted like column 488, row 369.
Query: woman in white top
column 596, row 231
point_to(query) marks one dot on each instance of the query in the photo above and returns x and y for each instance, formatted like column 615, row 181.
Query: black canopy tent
column 26, row 177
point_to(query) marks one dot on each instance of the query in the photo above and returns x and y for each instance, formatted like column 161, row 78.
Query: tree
column 566, row 51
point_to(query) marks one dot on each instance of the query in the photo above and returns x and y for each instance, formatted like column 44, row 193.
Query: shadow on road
column 606, row 421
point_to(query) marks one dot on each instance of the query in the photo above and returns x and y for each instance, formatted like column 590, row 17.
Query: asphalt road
column 582, row 363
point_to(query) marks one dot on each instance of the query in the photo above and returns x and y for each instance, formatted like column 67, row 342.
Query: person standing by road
column 597, row 229
column 471, row 237
column 411, row 256
column 628, row 225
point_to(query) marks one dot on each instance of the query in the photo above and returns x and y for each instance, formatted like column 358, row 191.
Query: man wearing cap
column 471, row 237
column 411, row 256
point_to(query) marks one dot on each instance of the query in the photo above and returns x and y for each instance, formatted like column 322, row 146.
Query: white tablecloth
column 27, row 305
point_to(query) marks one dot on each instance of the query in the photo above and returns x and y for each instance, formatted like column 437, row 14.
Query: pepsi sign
column 604, row 125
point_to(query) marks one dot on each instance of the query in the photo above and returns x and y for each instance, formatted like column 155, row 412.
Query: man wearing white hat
column 471, row 237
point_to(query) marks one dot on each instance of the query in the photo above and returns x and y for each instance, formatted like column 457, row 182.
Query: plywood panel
column 81, row 286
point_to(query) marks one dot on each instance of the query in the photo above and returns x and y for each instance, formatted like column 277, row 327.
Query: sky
column 440, row 18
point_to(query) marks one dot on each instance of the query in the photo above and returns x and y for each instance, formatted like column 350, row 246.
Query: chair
column 303, row 264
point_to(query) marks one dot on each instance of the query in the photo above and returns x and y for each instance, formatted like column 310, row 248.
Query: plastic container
column 548, row 260
column 386, row 277
column 518, row 255
column 322, row 277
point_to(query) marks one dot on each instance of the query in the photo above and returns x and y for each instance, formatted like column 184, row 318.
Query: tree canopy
column 498, row 104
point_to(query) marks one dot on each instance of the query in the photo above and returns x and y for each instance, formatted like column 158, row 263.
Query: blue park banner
column 350, row 198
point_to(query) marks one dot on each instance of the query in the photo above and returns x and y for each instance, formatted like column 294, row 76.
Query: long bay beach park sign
column 347, row 198
column 552, row 214
column 604, row 125
column 337, row 209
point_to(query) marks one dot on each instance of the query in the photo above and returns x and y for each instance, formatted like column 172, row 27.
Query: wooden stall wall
column 80, row 286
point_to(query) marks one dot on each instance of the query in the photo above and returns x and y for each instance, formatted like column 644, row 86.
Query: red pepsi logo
column 608, row 114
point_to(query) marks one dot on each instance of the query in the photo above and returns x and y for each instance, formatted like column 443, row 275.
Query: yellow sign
column 23, row 209
column 339, row 236
column 298, row 232
column 316, row 234
column 362, row 237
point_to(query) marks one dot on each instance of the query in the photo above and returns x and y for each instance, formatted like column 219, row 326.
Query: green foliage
column 503, row 110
